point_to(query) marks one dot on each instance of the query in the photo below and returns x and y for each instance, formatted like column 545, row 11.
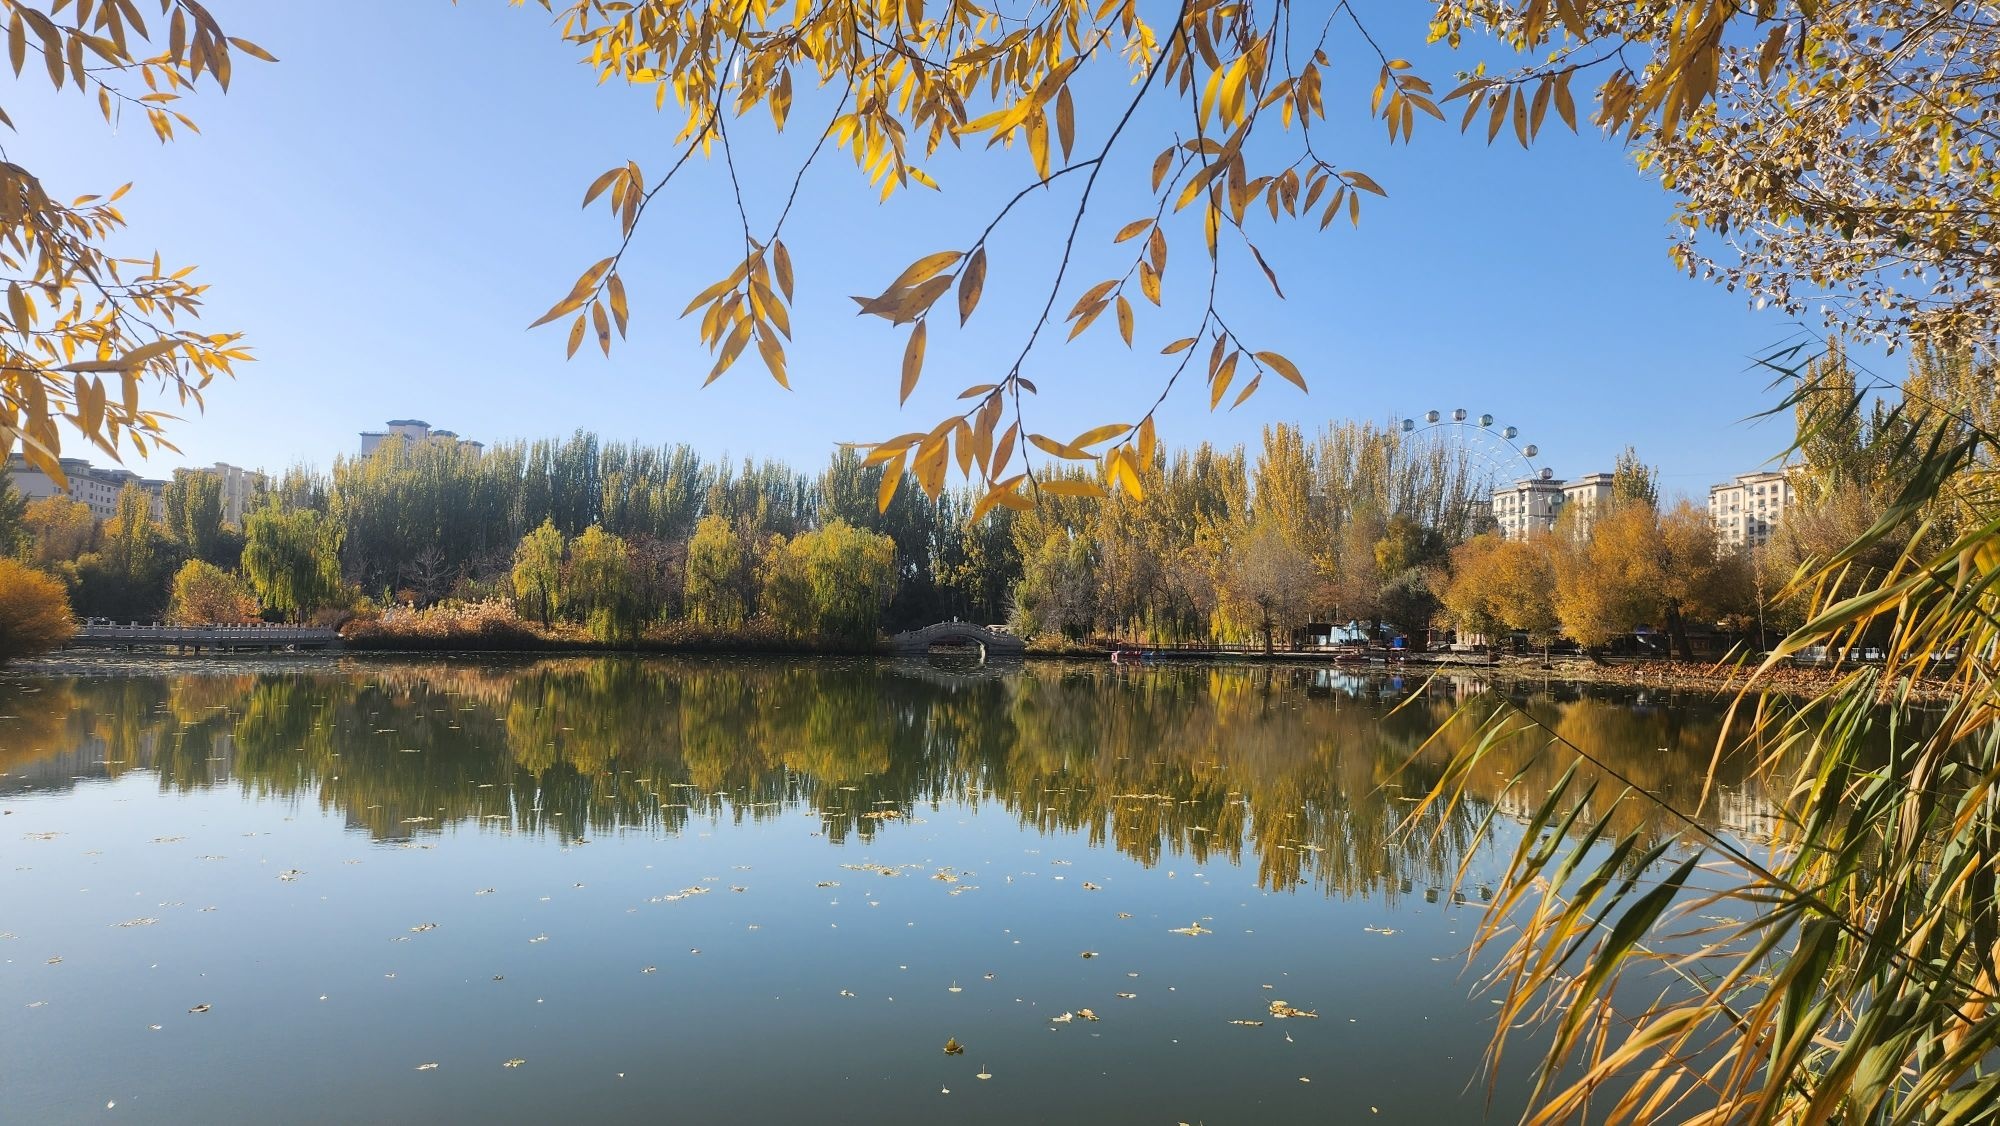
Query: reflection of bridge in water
column 990, row 642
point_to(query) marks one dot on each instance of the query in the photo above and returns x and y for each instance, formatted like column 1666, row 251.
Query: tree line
column 1361, row 524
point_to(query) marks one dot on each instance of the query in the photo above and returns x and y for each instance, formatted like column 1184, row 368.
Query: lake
column 703, row 890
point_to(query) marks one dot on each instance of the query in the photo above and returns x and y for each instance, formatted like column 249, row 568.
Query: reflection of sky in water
column 1024, row 787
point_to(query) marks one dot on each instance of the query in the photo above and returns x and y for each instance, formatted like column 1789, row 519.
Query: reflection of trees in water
column 1314, row 777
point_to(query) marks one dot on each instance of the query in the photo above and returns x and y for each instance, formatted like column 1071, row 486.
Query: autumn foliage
column 34, row 611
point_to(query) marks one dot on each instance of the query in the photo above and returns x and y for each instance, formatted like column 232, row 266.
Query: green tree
column 292, row 559
column 537, row 573
column 720, row 574
column 13, row 514
column 193, row 503
column 126, row 578
column 1634, row 482
column 597, row 585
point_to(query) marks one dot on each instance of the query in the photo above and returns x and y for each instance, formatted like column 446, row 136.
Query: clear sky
column 388, row 208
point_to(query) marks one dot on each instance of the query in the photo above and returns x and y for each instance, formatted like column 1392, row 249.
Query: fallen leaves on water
column 1378, row 930
column 538, row 938
column 829, row 883
column 427, row 1066
column 1249, row 1023
column 1284, row 1011
column 290, row 874
column 650, row 970
column 883, row 815
column 1086, row 1014
column 201, row 1008
column 1090, row 953
column 953, row 1048
column 1088, row 886
column 422, row 927
column 140, row 922
column 1191, row 929
column 514, row 1063
column 983, row 1073
column 1063, row 1018
column 1126, row 996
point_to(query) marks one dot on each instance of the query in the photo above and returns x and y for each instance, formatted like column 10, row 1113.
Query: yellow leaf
column 970, row 283
column 1283, row 367
column 1363, row 181
column 1133, row 229
column 1181, row 345
column 925, row 268
column 619, row 310
column 1098, row 434
column 1148, row 440
column 913, row 361
column 603, row 326
column 1004, row 451
column 781, row 262
column 1065, row 121
column 1220, row 384
column 1054, row 448
column 891, row 477
column 1125, row 319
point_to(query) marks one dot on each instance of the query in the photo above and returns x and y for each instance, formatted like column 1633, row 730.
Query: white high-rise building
column 1528, row 505
column 1747, row 510
column 1585, row 496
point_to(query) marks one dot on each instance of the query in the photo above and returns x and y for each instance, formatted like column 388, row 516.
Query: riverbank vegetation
column 1362, row 531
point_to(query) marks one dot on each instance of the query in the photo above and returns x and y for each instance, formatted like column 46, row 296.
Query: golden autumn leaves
column 82, row 330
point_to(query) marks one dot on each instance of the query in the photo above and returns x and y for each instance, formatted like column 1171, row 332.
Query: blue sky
column 387, row 209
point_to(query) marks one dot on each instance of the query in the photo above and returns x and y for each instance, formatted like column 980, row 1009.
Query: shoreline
column 1716, row 678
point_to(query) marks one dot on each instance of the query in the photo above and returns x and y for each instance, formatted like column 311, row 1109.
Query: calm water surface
column 753, row 891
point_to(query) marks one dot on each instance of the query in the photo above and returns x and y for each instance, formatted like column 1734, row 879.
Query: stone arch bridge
column 994, row 643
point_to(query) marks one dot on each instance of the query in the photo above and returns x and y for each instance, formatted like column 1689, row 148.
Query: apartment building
column 1748, row 509
column 414, row 430
column 97, row 489
column 1529, row 505
column 1585, row 496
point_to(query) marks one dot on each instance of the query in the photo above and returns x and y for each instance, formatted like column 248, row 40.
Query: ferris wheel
column 1495, row 450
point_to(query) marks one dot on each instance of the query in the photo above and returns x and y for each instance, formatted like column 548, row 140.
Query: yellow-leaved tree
column 1833, row 154
column 90, row 336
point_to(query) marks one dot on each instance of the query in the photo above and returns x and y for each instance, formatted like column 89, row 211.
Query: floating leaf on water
column 290, row 874
column 499, row 977
column 1126, row 996
column 1191, row 929
column 650, row 970
column 142, row 922
column 1086, row 1014
column 955, row 988
column 1063, row 1018
column 538, row 938
column 201, row 1008
column 427, row 1066
column 1284, row 1011
column 1088, row 886
column 1249, row 1023
column 989, row 977
column 514, row 1063
column 422, row 927
column 1124, row 914
column 829, row 883
column 54, row 960
column 484, row 891
column 953, row 1048
column 847, row 993
column 1090, row 953
column 983, row 1073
